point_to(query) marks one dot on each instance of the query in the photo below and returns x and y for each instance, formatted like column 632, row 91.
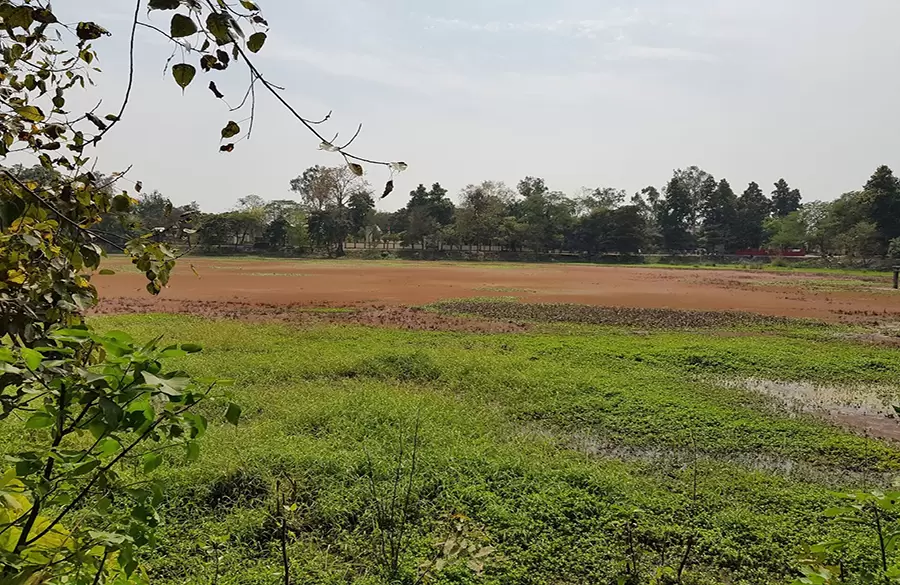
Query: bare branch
column 134, row 24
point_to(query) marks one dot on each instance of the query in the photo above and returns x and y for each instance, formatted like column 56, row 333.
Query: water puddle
column 662, row 458
column 862, row 408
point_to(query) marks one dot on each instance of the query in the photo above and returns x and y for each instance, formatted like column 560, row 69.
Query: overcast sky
column 580, row 92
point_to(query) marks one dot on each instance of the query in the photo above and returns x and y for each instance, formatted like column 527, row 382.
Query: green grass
column 548, row 443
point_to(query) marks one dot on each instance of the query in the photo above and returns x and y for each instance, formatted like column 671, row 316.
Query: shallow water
column 861, row 407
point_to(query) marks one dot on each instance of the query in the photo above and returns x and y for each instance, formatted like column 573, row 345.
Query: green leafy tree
column 549, row 216
column 327, row 192
column 482, row 212
column 427, row 213
column 719, row 218
column 784, row 199
column 753, row 208
column 861, row 241
column 821, row 227
column 882, row 192
column 693, row 180
column 674, row 215
column 786, row 232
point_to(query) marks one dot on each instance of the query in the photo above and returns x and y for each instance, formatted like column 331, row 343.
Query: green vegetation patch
column 613, row 316
column 555, row 449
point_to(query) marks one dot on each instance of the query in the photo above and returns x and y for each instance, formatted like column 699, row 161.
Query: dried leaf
column 215, row 90
column 388, row 188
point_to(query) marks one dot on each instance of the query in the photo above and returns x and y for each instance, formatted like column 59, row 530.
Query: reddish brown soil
column 396, row 284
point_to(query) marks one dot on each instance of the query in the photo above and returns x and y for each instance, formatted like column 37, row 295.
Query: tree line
column 692, row 213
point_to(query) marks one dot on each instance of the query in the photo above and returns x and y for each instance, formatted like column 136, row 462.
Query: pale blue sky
column 581, row 92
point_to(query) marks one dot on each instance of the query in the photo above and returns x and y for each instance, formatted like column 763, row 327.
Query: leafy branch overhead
column 220, row 34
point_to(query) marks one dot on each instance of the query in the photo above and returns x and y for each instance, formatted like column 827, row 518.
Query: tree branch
column 134, row 24
column 60, row 214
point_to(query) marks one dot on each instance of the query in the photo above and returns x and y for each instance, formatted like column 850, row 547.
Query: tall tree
column 753, row 207
column 882, row 191
column 546, row 215
column 428, row 211
column 693, row 179
column 675, row 215
column 481, row 212
column 784, row 199
column 719, row 217
column 326, row 193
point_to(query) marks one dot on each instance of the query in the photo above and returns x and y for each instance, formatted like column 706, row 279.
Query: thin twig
column 134, row 24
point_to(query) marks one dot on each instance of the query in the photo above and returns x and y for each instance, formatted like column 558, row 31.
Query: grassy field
column 573, row 451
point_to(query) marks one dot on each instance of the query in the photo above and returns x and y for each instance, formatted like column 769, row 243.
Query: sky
column 580, row 92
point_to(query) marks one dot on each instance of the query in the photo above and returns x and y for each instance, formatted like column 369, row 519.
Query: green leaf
column 191, row 347
column 172, row 353
column 182, row 26
column 44, row 16
column 151, row 461
column 217, row 25
column 168, row 386
column 108, row 447
column 193, row 450
column 107, row 272
column 356, row 169
column 184, row 74
column 249, row 5
column 32, row 358
column 85, row 468
column 164, row 4
column 31, row 113
column 256, row 42
column 89, row 31
column 39, row 420
column 233, row 413
column 121, row 203
column 112, row 412
column 231, row 129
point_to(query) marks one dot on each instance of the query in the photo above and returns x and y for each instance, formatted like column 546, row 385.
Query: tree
column 674, row 216
column 882, row 192
column 821, row 229
column 482, row 211
column 719, row 218
column 360, row 211
column 427, row 213
column 601, row 198
column 547, row 215
column 784, row 199
column 327, row 191
column 861, row 241
column 752, row 210
column 785, row 233
column 693, row 180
